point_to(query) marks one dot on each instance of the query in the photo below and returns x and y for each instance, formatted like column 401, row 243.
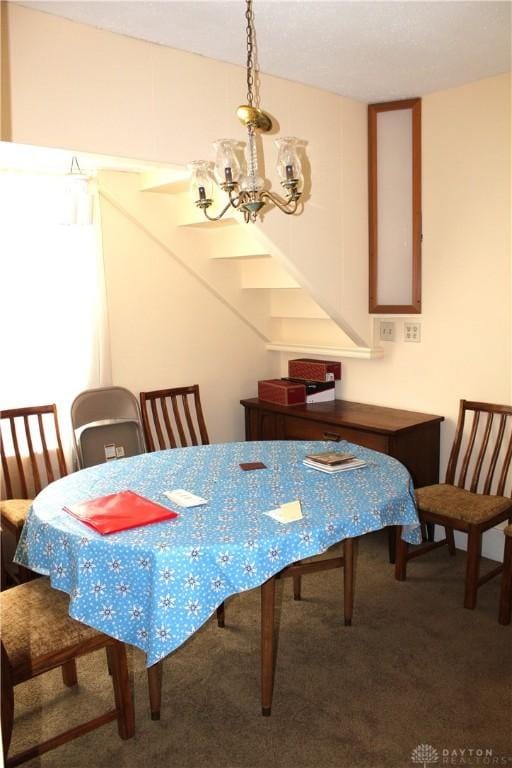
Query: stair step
column 295, row 304
column 200, row 222
column 262, row 273
column 234, row 243
column 170, row 180
column 284, row 317
column 362, row 353
column 321, row 331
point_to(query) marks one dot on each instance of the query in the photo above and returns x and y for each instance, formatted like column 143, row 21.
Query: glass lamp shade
column 227, row 167
column 288, row 163
column 251, row 183
column 201, row 184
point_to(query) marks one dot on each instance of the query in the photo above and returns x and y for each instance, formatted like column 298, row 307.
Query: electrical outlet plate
column 387, row 330
column 412, row 332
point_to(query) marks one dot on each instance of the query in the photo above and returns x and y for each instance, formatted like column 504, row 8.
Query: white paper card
column 286, row 513
column 184, row 498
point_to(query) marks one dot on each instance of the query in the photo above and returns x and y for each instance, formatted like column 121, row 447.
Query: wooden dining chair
column 32, row 456
column 475, row 496
column 506, row 580
column 38, row 635
column 268, row 639
column 173, row 418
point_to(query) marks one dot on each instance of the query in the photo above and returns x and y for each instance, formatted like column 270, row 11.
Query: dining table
column 155, row 585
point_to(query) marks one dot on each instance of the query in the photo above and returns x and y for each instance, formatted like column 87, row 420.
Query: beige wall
column 167, row 329
column 91, row 90
column 79, row 87
column 465, row 349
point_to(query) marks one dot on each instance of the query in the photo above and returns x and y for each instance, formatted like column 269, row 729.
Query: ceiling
column 371, row 51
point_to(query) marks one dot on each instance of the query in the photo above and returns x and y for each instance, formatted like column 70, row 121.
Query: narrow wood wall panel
column 394, row 170
column 394, row 195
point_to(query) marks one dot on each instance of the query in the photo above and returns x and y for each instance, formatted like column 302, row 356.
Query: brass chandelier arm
column 235, row 200
column 282, row 204
column 220, row 215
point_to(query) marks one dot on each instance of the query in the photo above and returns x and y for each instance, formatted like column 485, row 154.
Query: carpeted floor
column 415, row 668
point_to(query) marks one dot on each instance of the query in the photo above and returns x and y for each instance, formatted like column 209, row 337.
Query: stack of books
column 332, row 462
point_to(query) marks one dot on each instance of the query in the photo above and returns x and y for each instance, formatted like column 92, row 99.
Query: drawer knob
column 332, row 436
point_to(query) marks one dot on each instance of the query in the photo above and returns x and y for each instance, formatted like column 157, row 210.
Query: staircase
column 233, row 260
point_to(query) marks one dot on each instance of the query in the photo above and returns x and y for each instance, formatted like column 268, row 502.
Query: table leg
column 155, row 689
column 268, row 593
column 348, row 580
column 391, row 543
column 401, row 556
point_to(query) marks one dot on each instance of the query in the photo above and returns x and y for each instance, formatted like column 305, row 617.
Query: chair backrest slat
column 177, row 419
column 183, row 418
column 6, row 475
column 47, row 462
column 27, row 433
column 189, row 420
column 469, row 450
column 156, row 421
column 505, row 469
column 60, row 453
column 200, row 418
column 167, row 422
column 495, row 454
column 457, row 442
column 33, row 461
column 480, row 452
column 17, row 454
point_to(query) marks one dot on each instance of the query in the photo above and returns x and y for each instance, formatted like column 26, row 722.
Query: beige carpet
column 415, row 668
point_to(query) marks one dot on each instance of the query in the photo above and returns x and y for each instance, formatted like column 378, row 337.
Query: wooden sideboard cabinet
column 412, row 438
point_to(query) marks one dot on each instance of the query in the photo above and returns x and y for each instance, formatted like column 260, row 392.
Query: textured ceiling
column 372, row 51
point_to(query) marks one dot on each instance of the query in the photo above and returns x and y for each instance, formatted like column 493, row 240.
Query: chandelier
column 244, row 186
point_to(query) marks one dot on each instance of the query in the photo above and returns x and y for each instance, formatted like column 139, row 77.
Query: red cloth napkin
column 119, row 511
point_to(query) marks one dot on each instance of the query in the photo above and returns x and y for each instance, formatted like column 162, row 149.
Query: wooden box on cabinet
column 410, row 437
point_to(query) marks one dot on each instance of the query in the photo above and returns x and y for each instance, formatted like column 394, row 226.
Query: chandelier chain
column 245, row 188
column 250, row 59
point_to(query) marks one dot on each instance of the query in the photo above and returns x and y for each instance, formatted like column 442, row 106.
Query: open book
column 119, row 511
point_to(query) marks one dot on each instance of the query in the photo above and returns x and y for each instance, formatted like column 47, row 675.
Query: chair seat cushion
column 15, row 511
column 460, row 504
column 35, row 622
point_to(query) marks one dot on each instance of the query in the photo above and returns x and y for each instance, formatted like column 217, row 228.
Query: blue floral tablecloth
column 155, row 585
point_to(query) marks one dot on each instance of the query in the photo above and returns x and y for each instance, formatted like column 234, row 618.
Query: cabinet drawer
column 301, row 429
